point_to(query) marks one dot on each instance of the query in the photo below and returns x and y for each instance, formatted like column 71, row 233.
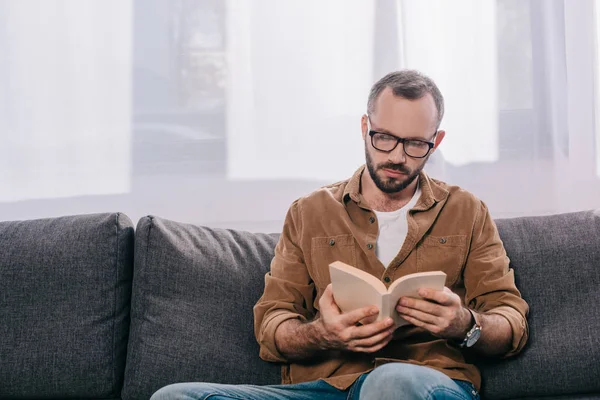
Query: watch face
column 473, row 337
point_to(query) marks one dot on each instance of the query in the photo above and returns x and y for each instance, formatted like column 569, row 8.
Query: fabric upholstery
column 64, row 312
column 557, row 267
column 194, row 288
column 64, row 306
column 193, row 293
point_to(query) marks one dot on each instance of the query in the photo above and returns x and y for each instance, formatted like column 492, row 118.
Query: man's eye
column 416, row 144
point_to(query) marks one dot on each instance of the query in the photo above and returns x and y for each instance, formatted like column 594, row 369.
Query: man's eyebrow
column 382, row 130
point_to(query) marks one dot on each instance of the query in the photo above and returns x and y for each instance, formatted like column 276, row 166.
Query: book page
column 407, row 286
column 352, row 289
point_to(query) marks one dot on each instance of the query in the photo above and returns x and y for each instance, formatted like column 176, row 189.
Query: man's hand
column 440, row 312
column 340, row 331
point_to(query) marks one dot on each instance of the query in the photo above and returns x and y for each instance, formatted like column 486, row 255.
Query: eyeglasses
column 385, row 142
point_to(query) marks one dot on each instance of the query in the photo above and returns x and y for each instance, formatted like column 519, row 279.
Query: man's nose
column 397, row 156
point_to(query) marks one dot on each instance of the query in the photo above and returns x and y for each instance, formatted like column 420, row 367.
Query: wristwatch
column 474, row 333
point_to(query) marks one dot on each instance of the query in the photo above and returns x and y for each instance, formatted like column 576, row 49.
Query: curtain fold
column 521, row 80
column 455, row 43
column 597, row 82
column 65, row 87
column 299, row 76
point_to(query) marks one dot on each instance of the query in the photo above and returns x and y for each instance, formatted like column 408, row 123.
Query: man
column 389, row 219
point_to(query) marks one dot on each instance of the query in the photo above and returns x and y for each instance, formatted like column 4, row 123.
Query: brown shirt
column 449, row 229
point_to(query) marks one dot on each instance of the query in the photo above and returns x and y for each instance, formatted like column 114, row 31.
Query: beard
column 392, row 185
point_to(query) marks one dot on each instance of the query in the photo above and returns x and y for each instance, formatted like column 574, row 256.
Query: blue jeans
column 389, row 381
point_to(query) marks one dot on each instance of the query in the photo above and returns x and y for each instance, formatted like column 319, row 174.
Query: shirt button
column 372, row 220
column 369, row 246
column 386, row 279
column 443, row 240
column 331, row 242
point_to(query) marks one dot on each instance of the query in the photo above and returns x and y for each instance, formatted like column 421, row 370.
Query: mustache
column 395, row 167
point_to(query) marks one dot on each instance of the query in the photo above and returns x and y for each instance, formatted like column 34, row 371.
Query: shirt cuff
column 518, row 325
column 268, row 349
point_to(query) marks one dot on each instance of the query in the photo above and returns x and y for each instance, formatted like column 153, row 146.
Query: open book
column 354, row 288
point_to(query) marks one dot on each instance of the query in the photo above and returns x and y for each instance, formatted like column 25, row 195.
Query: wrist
column 467, row 325
column 472, row 334
column 315, row 333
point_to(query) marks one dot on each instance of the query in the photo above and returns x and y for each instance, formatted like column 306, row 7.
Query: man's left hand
column 440, row 312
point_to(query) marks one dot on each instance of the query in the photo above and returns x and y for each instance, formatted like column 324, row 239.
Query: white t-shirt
column 393, row 227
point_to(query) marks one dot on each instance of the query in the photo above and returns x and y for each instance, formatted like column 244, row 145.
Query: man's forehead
column 397, row 114
column 388, row 101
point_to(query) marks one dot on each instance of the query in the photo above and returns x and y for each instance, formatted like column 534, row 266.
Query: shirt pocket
column 442, row 253
column 327, row 249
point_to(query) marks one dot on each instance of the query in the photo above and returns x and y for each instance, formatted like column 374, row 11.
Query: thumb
column 327, row 302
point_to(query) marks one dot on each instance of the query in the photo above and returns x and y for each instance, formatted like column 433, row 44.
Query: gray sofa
column 91, row 308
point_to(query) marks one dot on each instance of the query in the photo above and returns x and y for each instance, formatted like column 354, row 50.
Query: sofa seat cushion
column 193, row 293
column 65, row 286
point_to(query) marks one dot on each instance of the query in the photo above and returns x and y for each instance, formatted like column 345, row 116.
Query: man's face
column 408, row 119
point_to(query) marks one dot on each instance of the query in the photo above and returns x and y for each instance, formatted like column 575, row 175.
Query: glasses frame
column 399, row 140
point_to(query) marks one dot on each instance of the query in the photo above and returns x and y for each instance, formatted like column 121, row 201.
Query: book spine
column 384, row 310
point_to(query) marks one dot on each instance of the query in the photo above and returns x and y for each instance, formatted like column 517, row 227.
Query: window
column 223, row 112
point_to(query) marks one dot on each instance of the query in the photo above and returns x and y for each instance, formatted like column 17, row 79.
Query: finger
column 442, row 297
column 327, row 301
column 328, row 293
column 368, row 320
column 425, row 306
column 418, row 314
column 372, row 329
column 372, row 346
column 373, row 340
column 354, row 316
column 429, row 327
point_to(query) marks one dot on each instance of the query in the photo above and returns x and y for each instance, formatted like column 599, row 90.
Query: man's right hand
column 339, row 331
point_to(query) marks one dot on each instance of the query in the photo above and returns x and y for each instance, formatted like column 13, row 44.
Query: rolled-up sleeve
column 289, row 289
column 490, row 282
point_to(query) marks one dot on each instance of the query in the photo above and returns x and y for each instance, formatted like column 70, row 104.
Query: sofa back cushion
column 194, row 289
column 193, row 293
column 557, row 267
column 65, row 286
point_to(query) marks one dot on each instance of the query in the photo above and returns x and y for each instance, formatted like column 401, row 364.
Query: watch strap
column 474, row 327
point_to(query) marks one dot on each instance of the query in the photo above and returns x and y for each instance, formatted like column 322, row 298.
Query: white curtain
column 454, row 42
column 65, row 85
column 516, row 76
column 597, row 76
column 299, row 73
column 269, row 93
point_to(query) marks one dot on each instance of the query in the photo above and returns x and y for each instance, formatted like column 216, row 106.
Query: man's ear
column 438, row 139
column 363, row 126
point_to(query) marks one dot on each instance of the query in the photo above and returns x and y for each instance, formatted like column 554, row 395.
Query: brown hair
column 409, row 84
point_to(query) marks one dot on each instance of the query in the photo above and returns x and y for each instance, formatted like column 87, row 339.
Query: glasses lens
column 384, row 142
column 416, row 148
